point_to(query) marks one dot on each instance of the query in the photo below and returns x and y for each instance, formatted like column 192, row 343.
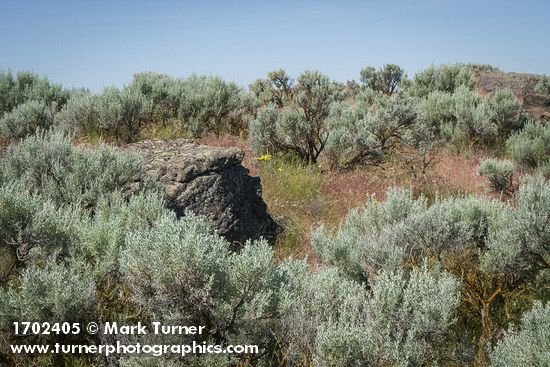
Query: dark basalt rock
column 208, row 181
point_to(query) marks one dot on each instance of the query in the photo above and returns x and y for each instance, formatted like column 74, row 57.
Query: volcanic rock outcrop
column 208, row 181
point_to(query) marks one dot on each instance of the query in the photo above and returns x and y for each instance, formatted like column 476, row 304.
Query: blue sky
column 99, row 43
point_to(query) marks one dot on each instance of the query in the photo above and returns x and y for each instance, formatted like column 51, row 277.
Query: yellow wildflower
column 264, row 157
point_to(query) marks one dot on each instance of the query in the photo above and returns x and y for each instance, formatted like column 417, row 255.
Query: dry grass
column 456, row 174
column 172, row 129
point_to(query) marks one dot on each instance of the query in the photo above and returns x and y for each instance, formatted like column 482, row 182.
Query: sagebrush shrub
column 210, row 104
column 276, row 89
column 446, row 78
column 30, row 86
column 364, row 133
column 543, row 86
column 30, row 227
column 7, row 83
column 361, row 248
column 530, row 147
column 311, row 303
column 528, row 344
column 462, row 116
column 114, row 113
column 384, row 236
column 518, row 238
column 336, row 322
column 54, row 292
column 99, row 237
column 437, row 110
column 164, row 92
column 180, row 272
column 198, row 104
column 80, row 115
column 505, row 111
column 473, row 115
column 386, row 80
column 49, row 165
column 24, row 120
column 27, row 86
column 300, row 127
column 123, row 113
column 499, row 173
column 409, row 319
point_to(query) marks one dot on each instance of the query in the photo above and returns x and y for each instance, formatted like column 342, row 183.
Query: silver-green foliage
column 277, row 88
column 385, row 80
column 499, row 173
column 210, row 104
column 163, row 91
column 472, row 115
column 518, row 239
column 49, row 165
column 51, row 293
column 543, row 86
column 34, row 229
column 361, row 248
column 367, row 131
column 300, row 127
column 530, row 147
column 409, row 317
column 122, row 113
column 180, row 272
column 464, row 115
column 118, row 113
column 505, row 111
column 54, row 291
column 446, row 78
column 334, row 321
column 27, row 86
column 200, row 104
column 99, row 237
column 24, row 120
column 80, row 115
column 31, row 228
column 437, row 110
column 311, row 304
column 383, row 236
column 528, row 344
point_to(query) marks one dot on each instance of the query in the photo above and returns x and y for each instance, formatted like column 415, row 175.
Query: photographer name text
column 157, row 328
